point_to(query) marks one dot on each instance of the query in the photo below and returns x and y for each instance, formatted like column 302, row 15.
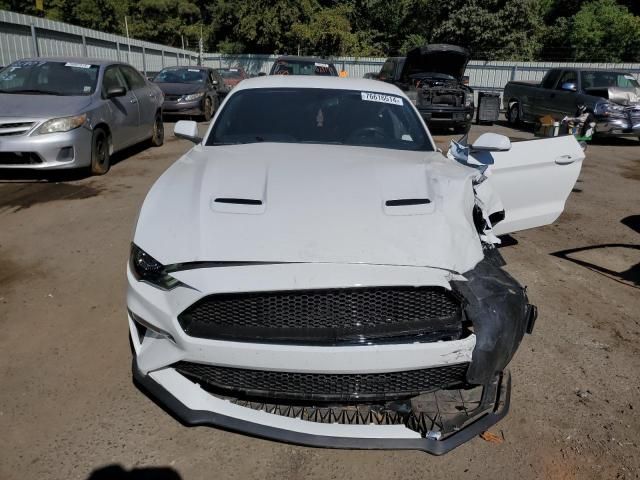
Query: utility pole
column 126, row 27
column 200, row 62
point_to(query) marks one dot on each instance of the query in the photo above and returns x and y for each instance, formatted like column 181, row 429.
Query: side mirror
column 188, row 130
column 569, row 87
column 491, row 142
column 116, row 92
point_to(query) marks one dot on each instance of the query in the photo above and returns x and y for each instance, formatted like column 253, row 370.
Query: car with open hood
column 433, row 77
column 62, row 113
column 191, row 91
column 315, row 271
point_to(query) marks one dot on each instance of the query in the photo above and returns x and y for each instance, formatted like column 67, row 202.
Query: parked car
column 232, row 76
column 60, row 113
column 294, row 65
column 612, row 96
column 433, row 77
column 331, row 278
column 191, row 91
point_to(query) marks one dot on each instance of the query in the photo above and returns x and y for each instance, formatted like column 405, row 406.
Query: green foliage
column 588, row 30
column 604, row 31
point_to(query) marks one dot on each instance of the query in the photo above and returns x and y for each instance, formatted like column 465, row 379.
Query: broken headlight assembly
column 608, row 109
column 147, row 269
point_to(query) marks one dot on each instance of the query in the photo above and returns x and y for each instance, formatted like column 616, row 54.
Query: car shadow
column 116, row 472
column 630, row 276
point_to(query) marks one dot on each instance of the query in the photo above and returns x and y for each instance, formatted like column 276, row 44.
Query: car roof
column 89, row 60
column 315, row 81
column 304, row 59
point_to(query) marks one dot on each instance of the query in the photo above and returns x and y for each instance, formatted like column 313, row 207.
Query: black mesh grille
column 327, row 316
column 19, row 158
column 323, row 387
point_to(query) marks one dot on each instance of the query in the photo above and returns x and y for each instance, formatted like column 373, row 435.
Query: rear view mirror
column 116, row 92
column 569, row 87
column 188, row 130
column 491, row 142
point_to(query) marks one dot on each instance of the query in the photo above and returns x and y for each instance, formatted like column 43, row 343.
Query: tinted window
column 303, row 67
column 112, row 79
column 386, row 73
column 181, row 75
column 230, row 73
column 308, row 115
column 608, row 79
column 133, row 78
column 568, row 76
column 551, row 78
column 54, row 78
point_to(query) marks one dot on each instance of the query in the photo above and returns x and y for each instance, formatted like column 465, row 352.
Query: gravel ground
column 69, row 410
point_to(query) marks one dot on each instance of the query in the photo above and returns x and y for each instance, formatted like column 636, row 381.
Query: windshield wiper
column 41, row 92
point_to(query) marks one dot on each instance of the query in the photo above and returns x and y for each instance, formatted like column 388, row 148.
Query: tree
column 604, row 31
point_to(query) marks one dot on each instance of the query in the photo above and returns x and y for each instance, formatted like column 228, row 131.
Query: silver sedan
column 61, row 113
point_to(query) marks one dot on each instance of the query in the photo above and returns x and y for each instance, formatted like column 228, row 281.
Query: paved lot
column 68, row 407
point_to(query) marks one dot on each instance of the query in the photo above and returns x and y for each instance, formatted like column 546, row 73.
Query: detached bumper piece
column 436, row 422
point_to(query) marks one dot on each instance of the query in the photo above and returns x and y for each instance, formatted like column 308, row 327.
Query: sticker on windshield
column 323, row 65
column 233, row 69
column 193, row 70
column 86, row 89
column 381, row 98
column 77, row 65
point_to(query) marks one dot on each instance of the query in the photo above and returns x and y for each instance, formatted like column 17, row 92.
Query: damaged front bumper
column 434, row 423
column 623, row 126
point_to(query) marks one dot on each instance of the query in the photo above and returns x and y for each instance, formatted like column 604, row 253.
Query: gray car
column 61, row 113
column 191, row 91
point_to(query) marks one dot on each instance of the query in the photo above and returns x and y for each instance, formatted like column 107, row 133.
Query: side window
column 568, row 76
column 386, row 73
column 133, row 78
column 551, row 78
column 112, row 78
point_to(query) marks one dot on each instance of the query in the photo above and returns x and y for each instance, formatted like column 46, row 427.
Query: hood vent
column 239, row 201
column 407, row 202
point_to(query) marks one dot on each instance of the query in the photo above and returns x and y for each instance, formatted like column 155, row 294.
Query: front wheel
column 207, row 109
column 513, row 115
column 157, row 137
column 100, row 161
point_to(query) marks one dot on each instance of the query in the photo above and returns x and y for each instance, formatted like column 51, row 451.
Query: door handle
column 133, row 100
column 564, row 160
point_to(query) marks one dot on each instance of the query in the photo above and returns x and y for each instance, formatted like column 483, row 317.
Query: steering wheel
column 366, row 133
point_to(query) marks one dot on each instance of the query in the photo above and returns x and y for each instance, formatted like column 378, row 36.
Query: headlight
column 468, row 99
column 193, row 96
column 608, row 108
column 63, row 124
column 147, row 269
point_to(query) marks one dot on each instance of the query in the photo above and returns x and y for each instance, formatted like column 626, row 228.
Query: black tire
column 207, row 109
column 100, row 158
column 513, row 114
column 462, row 129
column 157, row 137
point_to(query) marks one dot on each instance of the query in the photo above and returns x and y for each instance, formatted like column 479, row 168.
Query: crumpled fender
column 498, row 307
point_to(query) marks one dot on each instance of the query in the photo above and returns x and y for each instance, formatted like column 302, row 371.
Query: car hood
column 41, row 106
column 180, row 88
column 319, row 204
column 437, row 58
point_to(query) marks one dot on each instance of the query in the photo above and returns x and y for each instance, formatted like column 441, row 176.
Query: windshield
column 37, row 77
column 181, row 75
column 303, row 67
column 608, row 79
column 313, row 115
column 230, row 73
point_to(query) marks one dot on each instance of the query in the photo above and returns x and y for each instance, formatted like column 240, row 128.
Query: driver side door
column 123, row 111
column 533, row 180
